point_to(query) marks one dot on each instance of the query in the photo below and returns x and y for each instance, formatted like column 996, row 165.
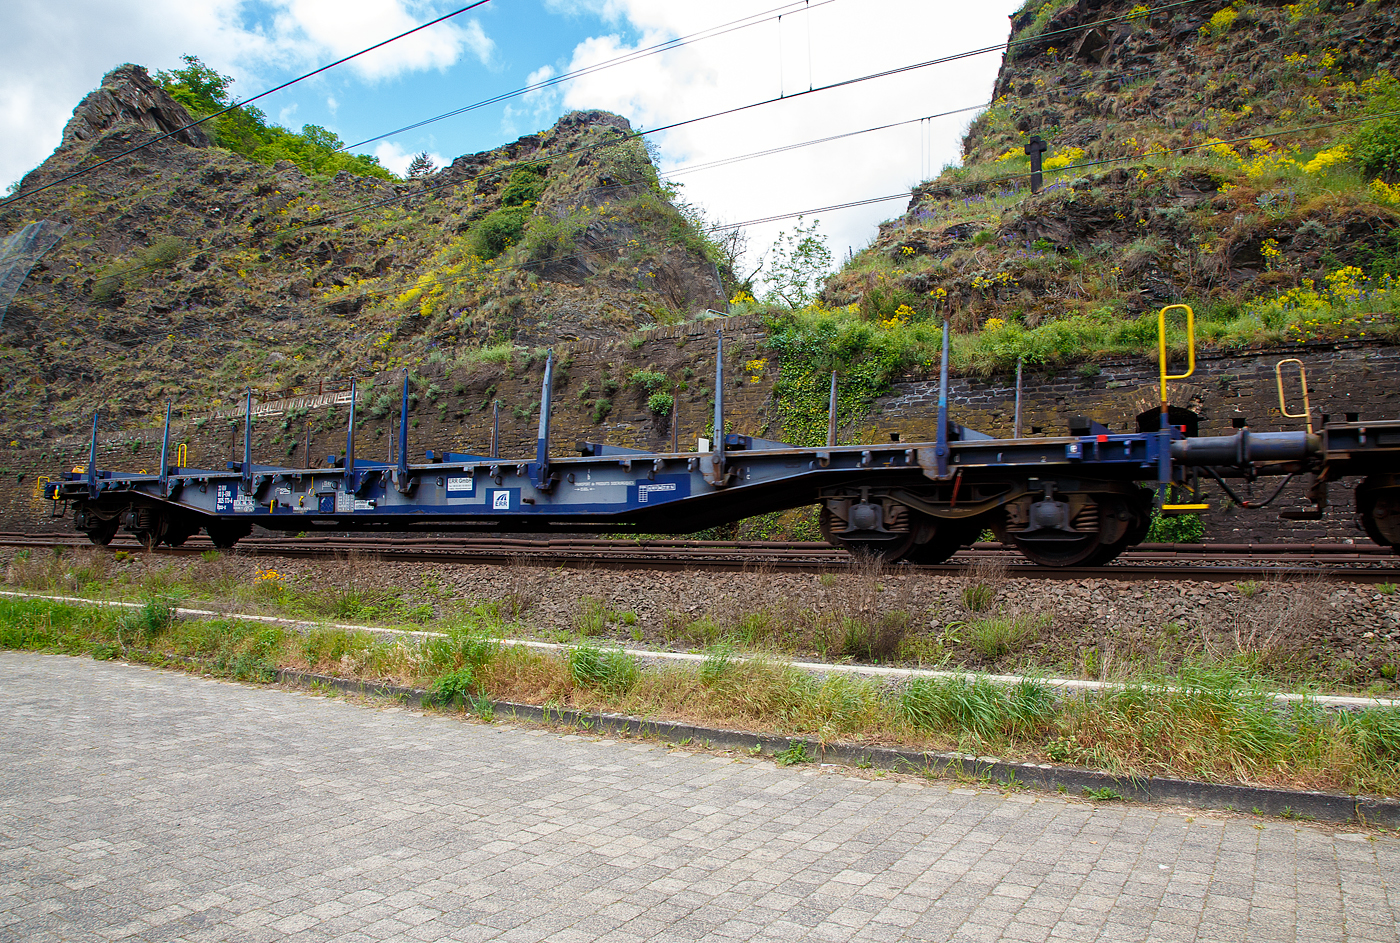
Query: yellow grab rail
column 181, row 457
column 1283, row 399
column 1162, row 350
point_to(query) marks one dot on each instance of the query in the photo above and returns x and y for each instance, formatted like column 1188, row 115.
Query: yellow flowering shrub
column 1386, row 193
column 1326, row 158
column 1064, row 158
column 1220, row 23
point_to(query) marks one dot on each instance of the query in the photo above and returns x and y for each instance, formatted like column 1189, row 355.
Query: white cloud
column 397, row 159
column 333, row 29
column 285, row 115
column 542, row 102
column 51, row 54
column 332, row 104
column 834, row 42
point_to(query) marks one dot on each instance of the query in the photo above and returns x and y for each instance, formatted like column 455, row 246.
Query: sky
column 51, row 54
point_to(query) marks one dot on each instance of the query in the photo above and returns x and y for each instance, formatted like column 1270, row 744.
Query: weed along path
column 142, row 804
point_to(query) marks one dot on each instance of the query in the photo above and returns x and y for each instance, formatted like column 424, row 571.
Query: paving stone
column 145, row 805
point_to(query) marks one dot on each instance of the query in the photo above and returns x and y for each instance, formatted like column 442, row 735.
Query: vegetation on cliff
column 276, row 261
column 245, row 130
column 1243, row 158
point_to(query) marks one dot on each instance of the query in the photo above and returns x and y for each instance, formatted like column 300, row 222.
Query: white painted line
column 1337, row 701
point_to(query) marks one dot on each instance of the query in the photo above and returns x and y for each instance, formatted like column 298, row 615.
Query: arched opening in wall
column 1151, row 420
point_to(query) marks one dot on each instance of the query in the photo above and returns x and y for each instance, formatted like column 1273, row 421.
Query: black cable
column 25, row 195
column 884, row 127
column 327, row 218
column 953, row 188
column 633, row 56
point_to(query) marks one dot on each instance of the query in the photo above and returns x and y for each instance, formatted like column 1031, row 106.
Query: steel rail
column 1360, row 563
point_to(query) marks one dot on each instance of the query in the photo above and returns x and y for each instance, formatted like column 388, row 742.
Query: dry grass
column 1207, row 724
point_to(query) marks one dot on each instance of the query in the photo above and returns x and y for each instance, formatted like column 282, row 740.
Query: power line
column 740, row 108
column 710, row 165
column 667, row 46
column 493, row 268
column 325, row 219
column 85, row 170
column 992, row 181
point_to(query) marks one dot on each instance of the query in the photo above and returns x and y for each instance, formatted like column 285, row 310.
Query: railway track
column 1361, row 563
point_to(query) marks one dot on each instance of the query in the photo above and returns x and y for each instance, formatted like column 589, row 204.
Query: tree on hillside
column 799, row 262
column 421, row 166
column 246, row 130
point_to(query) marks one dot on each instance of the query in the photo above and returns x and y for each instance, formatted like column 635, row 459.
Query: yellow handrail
column 181, row 457
column 1283, row 399
column 1162, row 349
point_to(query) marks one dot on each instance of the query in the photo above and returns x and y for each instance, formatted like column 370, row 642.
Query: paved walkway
column 146, row 805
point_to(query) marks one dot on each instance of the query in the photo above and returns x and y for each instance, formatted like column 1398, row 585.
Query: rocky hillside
column 1211, row 153
column 191, row 271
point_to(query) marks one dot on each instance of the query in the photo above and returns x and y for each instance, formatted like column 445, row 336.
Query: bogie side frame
column 1079, row 499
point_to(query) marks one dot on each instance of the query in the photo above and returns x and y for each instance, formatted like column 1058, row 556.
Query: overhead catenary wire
column 724, row 161
column 844, row 83
column 1061, row 171
column 24, row 195
column 327, row 218
column 512, row 266
column 667, row 46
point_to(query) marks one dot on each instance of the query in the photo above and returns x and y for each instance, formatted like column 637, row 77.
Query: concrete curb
column 1318, row 806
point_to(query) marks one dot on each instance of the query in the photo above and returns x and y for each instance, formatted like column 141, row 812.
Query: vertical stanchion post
column 248, row 441
column 940, row 450
column 1035, row 147
column 165, row 454
column 402, row 467
column 92, row 459
column 831, row 414
column 1016, row 419
column 350, row 444
column 543, row 477
column 719, row 405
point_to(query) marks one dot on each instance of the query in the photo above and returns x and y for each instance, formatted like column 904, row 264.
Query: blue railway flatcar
column 1077, row 499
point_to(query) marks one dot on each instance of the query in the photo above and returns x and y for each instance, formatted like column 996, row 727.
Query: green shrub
column 660, row 403
column 498, row 231
column 610, row 670
column 458, row 685
column 164, row 252
column 246, row 130
column 977, row 706
column 650, row 381
column 1177, row 529
column 1000, row 634
column 526, row 186
column 1375, row 144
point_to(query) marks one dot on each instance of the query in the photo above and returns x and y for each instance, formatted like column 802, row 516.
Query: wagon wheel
column 1139, row 508
column 886, row 550
column 948, row 538
column 103, row 533
column 225, row 534
column 1082, row 551
column 1377, row 504
column 179, row 530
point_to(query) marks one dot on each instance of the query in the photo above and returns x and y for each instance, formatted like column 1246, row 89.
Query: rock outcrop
column 1166, row 180
column 128, row 94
